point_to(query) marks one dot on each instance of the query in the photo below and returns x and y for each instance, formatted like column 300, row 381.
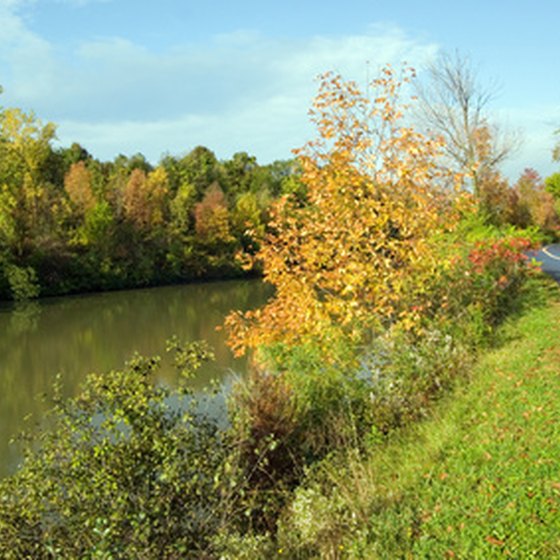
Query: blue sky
column 127, row 76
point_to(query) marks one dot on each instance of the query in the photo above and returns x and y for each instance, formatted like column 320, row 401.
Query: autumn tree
column 27, row 199
column 534, row 204
column 212, row 217
column 77, row 184
column 454, row 105
column 349, row 261
column 493, row 194
column 134, row 198
column 144, row 198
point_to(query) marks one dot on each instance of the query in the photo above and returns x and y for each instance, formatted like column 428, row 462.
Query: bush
column 22, row 281
column 128, row 469
column 285, row 421
column 488, row 276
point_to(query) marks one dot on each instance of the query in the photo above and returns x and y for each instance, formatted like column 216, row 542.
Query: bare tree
column 452, row 104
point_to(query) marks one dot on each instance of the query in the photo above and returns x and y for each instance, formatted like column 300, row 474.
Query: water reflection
column 99, row 332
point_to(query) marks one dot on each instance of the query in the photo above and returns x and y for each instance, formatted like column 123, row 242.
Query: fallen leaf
column 495, row 541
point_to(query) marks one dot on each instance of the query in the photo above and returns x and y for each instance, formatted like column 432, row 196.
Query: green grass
column 480, row 480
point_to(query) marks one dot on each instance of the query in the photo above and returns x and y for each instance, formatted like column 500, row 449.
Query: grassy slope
column 481, row 480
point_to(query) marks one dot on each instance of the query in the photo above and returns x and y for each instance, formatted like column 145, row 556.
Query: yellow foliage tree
column 349, row 261
column 144, row 198
column 27, row 201
column 212, row 217
column 77, row 184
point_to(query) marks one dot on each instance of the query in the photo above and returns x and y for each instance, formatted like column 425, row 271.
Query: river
column 99, row 332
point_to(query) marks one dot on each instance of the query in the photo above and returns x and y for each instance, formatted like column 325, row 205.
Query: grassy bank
column 481, row 479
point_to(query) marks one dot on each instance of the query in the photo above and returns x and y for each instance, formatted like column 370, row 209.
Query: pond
column 99, row 332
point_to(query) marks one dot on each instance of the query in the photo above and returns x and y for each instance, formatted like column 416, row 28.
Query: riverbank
column 481, row 479
column 370, row 329
column 307, row 467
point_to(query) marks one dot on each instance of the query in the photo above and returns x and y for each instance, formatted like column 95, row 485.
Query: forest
column 70, row 223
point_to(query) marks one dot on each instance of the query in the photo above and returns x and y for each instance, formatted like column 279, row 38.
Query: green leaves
column 188, row 358
column 129, row 468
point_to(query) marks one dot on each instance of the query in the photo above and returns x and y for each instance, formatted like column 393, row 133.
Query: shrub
column 285, row 421
column 128, row 469
column 22, row 281
column 266, row 429
column 487, row 276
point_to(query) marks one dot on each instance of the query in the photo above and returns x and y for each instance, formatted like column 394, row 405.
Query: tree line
column 72, row 223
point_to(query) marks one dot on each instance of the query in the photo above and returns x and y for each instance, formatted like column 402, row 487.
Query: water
column 77, row 335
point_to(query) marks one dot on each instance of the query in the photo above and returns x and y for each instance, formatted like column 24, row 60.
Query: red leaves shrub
column 485, row 276
column 507, row 252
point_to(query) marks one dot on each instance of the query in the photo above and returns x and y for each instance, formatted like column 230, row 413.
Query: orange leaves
column 212, row 216
column 350, row 260
column 77, row 184
column 144, row 198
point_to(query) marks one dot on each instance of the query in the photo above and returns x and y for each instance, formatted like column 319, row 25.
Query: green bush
column 22, row 281
column 128, row 469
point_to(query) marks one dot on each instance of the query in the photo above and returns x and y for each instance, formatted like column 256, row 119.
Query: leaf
column 494, row 541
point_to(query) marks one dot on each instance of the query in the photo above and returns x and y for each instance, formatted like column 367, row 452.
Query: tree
column 181, row 208
column 237, row 172
column 285, row 178
column 136, row 161
column 454, row 105
column 77, row 184
column 248, row 219
column 199, row 168
column 535, row 204
column 552, row 184
column 144, row 198
column 74, row 154
column 348, row 262
column 212, row 217
column 24, row 151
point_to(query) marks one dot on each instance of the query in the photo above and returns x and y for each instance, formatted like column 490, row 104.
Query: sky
column 158, row 77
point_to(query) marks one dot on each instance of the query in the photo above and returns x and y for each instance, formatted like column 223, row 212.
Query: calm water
column 77, row 335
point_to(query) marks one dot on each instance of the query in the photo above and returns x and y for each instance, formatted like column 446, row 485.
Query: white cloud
column 27, row 66
column 537, row 128
column 239, row 92
column 10, row 5
column 269, row 129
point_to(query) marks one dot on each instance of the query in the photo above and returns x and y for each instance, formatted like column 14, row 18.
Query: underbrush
column 340, row 415
column 479, row 479
column 307, row 462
